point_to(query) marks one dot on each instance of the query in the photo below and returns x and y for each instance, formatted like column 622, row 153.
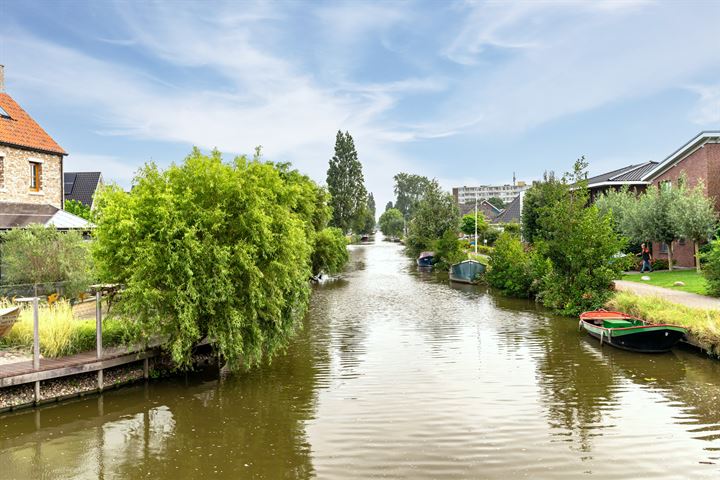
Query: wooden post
column 98, row 334
column 36, row 344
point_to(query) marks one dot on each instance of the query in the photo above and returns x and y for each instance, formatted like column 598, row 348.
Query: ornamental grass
column 703, row 325
column 61, row 334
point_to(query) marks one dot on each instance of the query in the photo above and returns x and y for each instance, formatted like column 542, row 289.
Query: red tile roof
column 21, row 130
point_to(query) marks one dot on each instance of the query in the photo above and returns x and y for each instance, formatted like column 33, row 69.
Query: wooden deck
column 20, row 373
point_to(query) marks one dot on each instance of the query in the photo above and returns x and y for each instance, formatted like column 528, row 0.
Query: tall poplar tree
column 346, row 184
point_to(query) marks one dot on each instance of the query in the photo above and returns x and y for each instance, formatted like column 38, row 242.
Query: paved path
column 675, row 296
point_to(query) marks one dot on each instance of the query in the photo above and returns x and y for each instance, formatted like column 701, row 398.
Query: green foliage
column 330, row 253
column 491, row 235
column 538, row 197
column 392, row 223
column 388, row 206
column 78, row 208
column 39, row 254
column 61, row 334
column 366, row 222
column 496, row 202
column 448, row 250
column 347, row 186
column 409, row 191
column 216, row 250
column 485, row 250
column 622, row 205
column 712, row 268
column 579, row 244
column 467, row 224
column 693, row 214
column 435, row 215
column 512, row 228
column 510, row 268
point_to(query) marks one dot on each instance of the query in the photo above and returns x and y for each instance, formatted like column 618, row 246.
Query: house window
column 666, row 185
column 35, row 173
column 681, row 241
column 663, row 248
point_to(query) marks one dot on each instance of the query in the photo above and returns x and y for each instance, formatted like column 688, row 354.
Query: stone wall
column 15, row 177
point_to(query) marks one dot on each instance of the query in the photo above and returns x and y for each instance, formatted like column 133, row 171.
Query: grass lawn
column 694, row 282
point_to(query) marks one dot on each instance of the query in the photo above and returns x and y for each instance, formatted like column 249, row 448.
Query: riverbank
column 703, row 324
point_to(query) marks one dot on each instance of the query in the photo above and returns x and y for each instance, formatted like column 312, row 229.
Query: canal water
column 397, row 374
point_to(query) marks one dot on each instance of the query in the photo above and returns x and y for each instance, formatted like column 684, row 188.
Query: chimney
column 2, row 78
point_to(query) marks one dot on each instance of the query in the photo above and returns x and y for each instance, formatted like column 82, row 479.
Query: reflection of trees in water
column 182, row 428
column 576, row 386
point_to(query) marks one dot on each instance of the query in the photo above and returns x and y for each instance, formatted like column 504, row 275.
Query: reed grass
column 702, row 324
column 61, row 333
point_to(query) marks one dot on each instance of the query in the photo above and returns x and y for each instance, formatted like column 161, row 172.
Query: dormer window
column 3, row 113
column 35, row 174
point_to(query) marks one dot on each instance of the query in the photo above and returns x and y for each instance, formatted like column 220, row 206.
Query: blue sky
column 467, row 92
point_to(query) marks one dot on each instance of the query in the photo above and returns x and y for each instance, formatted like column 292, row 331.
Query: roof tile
column 21, row 130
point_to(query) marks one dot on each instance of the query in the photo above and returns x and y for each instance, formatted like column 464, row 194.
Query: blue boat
column 426, row 259
column 468, row 271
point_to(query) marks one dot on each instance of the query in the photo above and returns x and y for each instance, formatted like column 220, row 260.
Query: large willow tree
column 216, row 250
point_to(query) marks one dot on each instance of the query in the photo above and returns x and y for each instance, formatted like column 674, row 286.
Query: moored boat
column 629, row 333
column 8, row 317
column 467, row 271
column 426, row 259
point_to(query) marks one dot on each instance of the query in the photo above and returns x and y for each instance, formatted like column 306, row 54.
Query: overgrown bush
column 485, row 250
column 510, row 267
column 448, row 250
column 712, row 269
column 330, row 253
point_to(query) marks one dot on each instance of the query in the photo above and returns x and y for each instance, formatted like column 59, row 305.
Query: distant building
column 506, row 193
column 512, row 212
column 489, row 211
column 81, row 186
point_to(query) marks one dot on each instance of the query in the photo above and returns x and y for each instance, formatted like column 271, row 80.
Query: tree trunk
column 670, row 258
column 697, row 257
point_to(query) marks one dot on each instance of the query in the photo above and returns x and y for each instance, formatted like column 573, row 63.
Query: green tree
column 392, row 223
column 654, row 219
column 213, row 250
column 712, row 268
column 467, row 224
column 693, row 213
column 496, row 202
column 435, row 215
column 388, row 206
column 538, row 197
column 346, row 185
column 78, row 208
column 369, row 216
column 39, row 255
column 623, row 206
column 409, row 191
column 580, row 245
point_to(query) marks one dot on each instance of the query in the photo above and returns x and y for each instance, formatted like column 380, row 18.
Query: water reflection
column 398, row 373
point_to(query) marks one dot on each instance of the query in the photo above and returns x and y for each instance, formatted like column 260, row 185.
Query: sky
column 462, row 91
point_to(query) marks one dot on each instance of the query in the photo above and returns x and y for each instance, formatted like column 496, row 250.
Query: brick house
column 698, row 159
column 31, row 171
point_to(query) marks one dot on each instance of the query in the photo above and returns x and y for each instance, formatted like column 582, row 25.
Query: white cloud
column 112, row 168
column 707, row 109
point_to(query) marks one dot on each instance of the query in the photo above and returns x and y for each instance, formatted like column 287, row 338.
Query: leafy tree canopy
column 392, row 223
column 216, row 250
column 467, row 225
column 435, row 215
column 409, row 191
column 497, row 202
column 388, row 206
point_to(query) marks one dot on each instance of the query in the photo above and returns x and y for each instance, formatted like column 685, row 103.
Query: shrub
column 448, row 250
column 512, row 228
column 510, row 267
column 712, row 269
column 485, row 250
column 330, row 252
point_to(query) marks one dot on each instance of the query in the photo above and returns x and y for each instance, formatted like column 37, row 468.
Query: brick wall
column 703, row 163
column 15, row 178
